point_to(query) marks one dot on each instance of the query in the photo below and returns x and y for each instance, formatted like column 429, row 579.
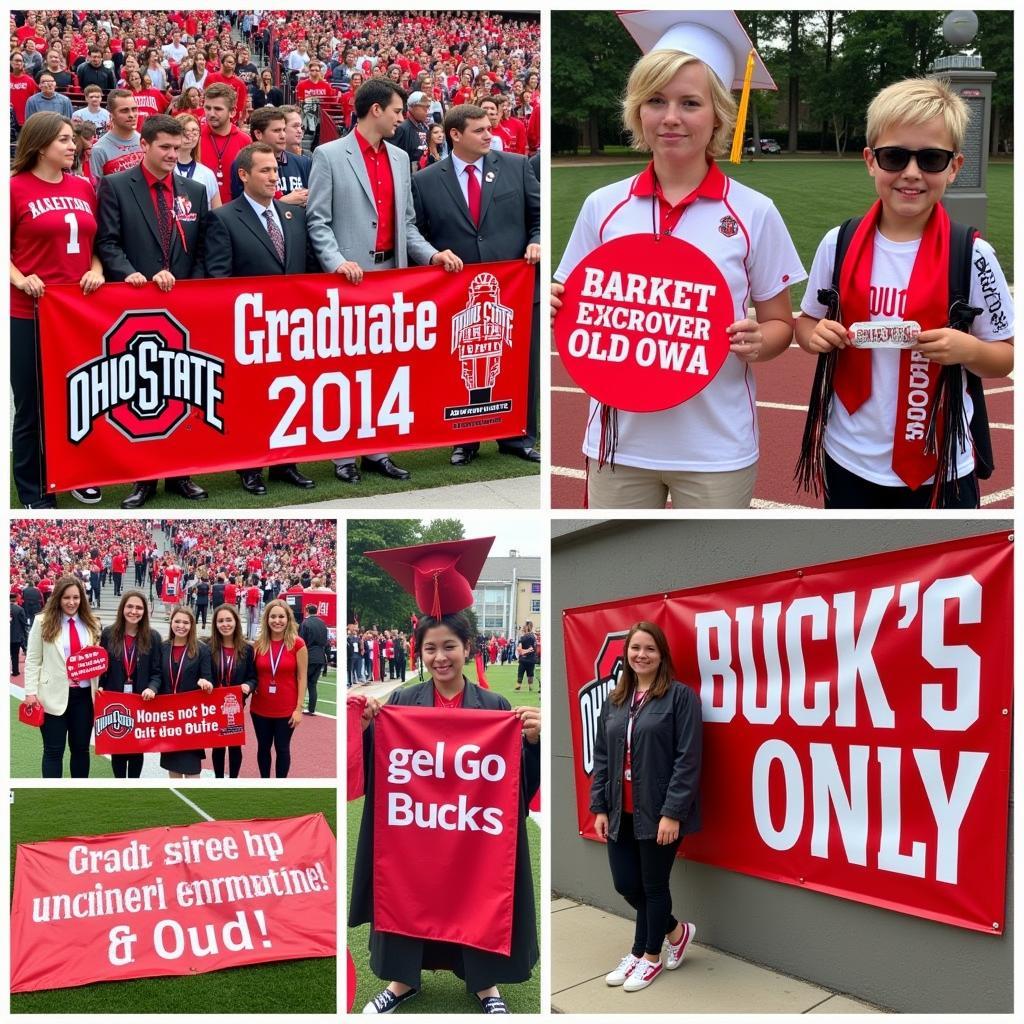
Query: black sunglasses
column 896, row 158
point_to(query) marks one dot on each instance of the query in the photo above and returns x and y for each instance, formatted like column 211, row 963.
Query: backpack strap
column 810, row 469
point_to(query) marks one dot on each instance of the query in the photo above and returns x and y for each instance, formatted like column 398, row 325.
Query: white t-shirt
column 716, row 430
column 206, row 178
column 100, row 118
column 863, row 443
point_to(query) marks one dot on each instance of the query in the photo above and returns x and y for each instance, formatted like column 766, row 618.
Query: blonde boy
column 92, row 111
column 897, row 268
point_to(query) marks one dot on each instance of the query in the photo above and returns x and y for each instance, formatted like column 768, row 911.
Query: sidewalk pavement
column 511, row 492
column 381, row 690
column 709, row 981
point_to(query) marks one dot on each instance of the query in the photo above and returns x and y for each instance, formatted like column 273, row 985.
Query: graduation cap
column 715, row 37
column 439, row 576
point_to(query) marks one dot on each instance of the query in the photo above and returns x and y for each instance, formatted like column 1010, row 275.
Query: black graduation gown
column 187, row 762
column 401, row 958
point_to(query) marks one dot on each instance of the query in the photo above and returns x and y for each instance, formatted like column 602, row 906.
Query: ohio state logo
column 728, row 226
column 479, row 333
column 116, row 722
column 145, row 381
column 592, row 696
column 231, row 709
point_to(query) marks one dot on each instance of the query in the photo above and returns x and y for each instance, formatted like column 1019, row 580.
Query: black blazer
column 237, row 244
column 318, row 640
column 19, row 625
column 666, row 756
column 243, row 671
column 147, row 667
column 509, row 209
column 127, row 236
column 195, row 668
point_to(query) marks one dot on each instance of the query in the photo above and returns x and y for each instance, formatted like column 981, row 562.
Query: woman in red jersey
column 53, row 224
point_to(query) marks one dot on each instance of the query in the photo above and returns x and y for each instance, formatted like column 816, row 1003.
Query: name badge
column 271, row 689
column 885, row 334
column 628, row 774
column 128, row 688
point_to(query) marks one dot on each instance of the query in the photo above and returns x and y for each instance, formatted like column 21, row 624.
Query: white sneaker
column 642, row 975
column 87, row 495
column 674, row 954
column 623, row 971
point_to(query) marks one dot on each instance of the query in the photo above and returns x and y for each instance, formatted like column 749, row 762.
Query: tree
column 994, row 42
column 373, row 596
column 442, row 529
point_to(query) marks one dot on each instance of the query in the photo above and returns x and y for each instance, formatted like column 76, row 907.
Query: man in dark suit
column 255, row 235
column 318, row 642
column 32, row 602
column 150, row 228
column 490, row 212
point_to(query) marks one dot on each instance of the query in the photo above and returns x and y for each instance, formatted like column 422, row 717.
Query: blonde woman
column 188, row 165
column 66, row 625
column 276, row 706
column 704, row 452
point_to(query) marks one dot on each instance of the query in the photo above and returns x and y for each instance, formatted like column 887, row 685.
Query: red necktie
column 74, row 640
column 473, row 194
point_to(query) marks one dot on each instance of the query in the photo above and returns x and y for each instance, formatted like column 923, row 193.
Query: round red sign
column 87, row 663
column 643, row 322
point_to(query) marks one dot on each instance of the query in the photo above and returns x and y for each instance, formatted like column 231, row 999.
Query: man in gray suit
column 360, row 214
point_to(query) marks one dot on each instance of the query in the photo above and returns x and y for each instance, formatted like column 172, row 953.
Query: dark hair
column 157, row 124
column 117, row 94
column 46, row 74
column 376, row 90
column 117, row 630
column 457, row 623
column 262, row 116
column 244, row 160
column 627, row 677
column 457, row 116
column 311, row 609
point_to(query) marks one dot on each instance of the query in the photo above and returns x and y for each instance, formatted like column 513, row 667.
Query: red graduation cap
column 439, row 576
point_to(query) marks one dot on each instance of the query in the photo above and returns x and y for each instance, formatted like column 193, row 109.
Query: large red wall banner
column 172, row 901
column 446, row 793
column 127, row 724
column 249, row 371
column 857, row 722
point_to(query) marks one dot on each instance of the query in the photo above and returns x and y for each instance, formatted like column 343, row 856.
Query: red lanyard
column 275, row 662
column 176, row 676
column 634, row 710
column 226, row 665
column 131, row 656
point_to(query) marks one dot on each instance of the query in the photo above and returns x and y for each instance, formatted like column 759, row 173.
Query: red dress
column 281, row 703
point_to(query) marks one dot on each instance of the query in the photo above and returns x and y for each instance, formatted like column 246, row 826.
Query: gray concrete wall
column 892, row 959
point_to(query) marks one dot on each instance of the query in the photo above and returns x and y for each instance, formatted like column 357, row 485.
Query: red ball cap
column 440, row 576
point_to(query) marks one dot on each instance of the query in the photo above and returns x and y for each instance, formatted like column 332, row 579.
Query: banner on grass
column 218, row 374
column 127, row 724
column 172, row 901
column 446, row 794
column 857, row 722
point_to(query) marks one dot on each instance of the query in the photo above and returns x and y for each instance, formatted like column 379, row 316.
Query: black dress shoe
column 386, row 468
column 347, row 473
column 529, row 454
column 253, row 483
column 141, row 493
column 185, row 487
column 463, row 455
column 291, row 475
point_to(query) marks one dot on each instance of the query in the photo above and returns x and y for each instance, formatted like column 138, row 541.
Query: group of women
column 271, row 672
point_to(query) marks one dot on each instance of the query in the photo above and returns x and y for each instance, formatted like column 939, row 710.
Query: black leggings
column 234, row 760
column 640, row 873
column 73, row 729
column 27, row 431
column 126, row 766
column 844, row 489
column 276, row 733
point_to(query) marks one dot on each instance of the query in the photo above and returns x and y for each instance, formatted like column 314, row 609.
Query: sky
column 520, row 531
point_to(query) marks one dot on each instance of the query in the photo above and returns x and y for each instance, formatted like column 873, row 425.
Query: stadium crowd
column 154, row 146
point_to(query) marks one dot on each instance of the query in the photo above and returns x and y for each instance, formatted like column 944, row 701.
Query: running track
column 782, row 389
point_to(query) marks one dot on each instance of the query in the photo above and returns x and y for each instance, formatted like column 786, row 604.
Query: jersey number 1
column 72, row 222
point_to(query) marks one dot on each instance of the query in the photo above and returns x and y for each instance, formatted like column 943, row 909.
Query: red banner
column 127, row 724
column 253, row 371
column 857, row 722
column 172, row 901
column 446, row 792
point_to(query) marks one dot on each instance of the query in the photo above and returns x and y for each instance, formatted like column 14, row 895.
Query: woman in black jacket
column 233, row 664
column 134, row 651
column 645, row 796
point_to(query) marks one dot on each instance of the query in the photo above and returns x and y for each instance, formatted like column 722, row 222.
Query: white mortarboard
column 716, row 37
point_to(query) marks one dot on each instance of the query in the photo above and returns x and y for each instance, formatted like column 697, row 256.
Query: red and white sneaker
column 674, row 954
column 623, row 971
column 642, row 975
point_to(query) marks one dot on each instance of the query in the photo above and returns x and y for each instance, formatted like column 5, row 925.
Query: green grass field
column 298, row 986
column 27, row 751
column 442, row 991
column 812, row 197
column 429, row 468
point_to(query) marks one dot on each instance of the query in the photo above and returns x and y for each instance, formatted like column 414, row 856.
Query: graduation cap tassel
column 435, row 605
column 736, row 155
column 810, row 468
column 609, row 436
column 947, row 433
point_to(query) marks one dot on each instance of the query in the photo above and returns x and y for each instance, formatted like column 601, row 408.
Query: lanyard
column 129, row 660
column 634, row 710
column 226, row 665
column 274, row 663
column 187, row 170
column 175, row 676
